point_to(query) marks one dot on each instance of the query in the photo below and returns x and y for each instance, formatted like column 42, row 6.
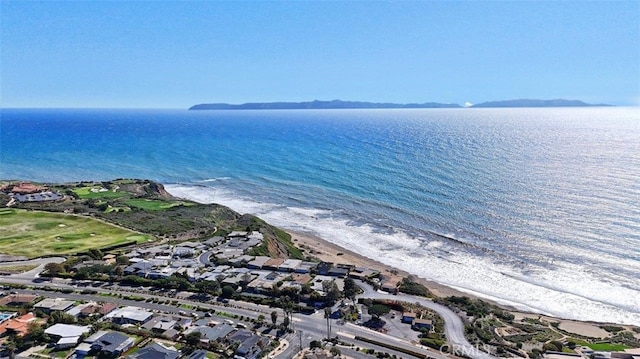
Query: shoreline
column 324, row 250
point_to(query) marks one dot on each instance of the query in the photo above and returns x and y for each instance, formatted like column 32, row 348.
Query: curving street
column 454, row 328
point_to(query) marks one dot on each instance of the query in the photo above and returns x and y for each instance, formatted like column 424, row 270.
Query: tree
column 285, row 322
column 61, row 317
column 208, row 286
column 274, row 317
column 350, row 288
column 327, row 316
column 193, row 339
column 228, row 291
column 378, row 310
column 330, row 288
column 95, row 253
column 54, row 268
column 122, row 260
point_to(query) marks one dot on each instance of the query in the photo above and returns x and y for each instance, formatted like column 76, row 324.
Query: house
column 236, row 234
column 250, row 345
column 106, row 308
column 302, row 279
column 258, row 262
column 18, row 326
column 109, row 258
column 363, row 273
column 289, row 265
column 198, row 354
column 306, row 267
column 317, row 285
column 216, row 333
column 273, row 263
column 390, row 284
column 17, row 299
column 338, row 272
column 214, row 241
column 160, row 324
column 183, row 252
column 110, row 344
column 49, row 305
column 129, row 315
column 419, row 324
column 324, row 267
column 37, row 197
column 94, row 308
column 239, row 261
column 155, row 351
column 66, row 335
column 139, row 268
column 76, row 310
column 408, row 317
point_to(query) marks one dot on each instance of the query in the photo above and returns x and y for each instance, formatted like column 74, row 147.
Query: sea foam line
column 565, row 292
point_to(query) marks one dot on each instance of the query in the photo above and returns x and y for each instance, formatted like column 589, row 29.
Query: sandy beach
column 329, row 252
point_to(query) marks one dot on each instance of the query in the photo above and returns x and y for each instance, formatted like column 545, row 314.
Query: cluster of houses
column 28, row 192
column 226, row 260
column 79, row 341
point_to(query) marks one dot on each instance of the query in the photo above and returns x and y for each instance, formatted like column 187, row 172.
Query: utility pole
column 300, row 338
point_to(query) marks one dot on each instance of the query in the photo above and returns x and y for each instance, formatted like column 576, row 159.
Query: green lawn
column 155, row 204
column 34, row 234
column 607, row 347
column 94, row 192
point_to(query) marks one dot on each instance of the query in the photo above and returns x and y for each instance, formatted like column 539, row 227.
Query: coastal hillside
column 144, row 206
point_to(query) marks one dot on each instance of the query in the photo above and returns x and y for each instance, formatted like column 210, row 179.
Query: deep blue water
column 539, row 208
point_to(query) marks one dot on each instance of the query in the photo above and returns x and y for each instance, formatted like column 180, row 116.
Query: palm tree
column 327, row 315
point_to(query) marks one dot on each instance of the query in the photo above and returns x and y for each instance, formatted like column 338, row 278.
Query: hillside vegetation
column 145, row 206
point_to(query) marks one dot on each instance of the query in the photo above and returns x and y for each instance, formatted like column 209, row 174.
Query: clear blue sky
column 175, row 54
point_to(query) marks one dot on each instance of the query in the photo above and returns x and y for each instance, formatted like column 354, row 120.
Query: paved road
column 453, row 326
column 204, row 258
column 34, row 273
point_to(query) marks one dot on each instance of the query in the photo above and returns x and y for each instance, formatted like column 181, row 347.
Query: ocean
column 534, row 208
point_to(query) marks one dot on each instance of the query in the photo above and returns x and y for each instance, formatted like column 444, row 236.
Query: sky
column 174, row 54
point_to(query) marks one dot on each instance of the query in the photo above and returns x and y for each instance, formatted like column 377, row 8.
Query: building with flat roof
column 49, row 305
column 66, row 335
column 129, row 315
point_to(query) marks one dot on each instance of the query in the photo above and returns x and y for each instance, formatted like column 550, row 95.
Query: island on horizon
column 339, row 104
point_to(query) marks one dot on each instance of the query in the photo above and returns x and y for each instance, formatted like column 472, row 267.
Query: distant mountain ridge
column 535, row 103
column 318, row 105
column 339, row 104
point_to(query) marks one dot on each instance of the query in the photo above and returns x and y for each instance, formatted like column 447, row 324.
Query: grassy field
column 607, row 347
column 86, row 192
column 155, row 204
column 17, row 268
column 34, row 234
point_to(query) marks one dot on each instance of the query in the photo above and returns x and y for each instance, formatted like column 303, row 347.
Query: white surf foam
column 568, row 291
